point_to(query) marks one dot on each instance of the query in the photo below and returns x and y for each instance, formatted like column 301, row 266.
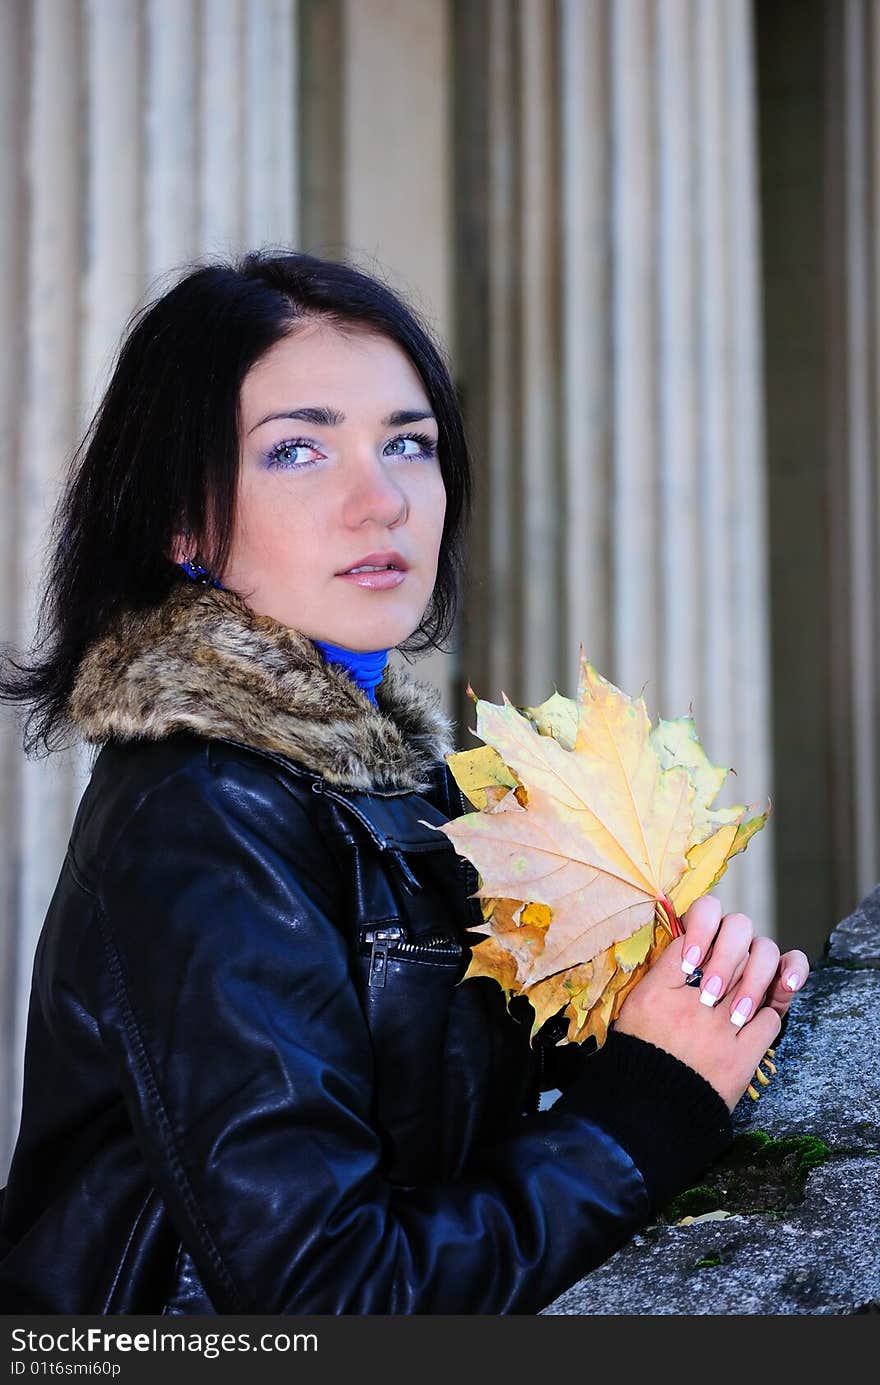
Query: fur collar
column 203, row 661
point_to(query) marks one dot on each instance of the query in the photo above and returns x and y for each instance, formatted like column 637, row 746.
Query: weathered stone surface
column 809, row 1247
column 828, row 1075
column 856, row 941
column 823, row 1257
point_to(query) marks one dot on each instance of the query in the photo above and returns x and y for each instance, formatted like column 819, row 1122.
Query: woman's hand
column 724, row 1028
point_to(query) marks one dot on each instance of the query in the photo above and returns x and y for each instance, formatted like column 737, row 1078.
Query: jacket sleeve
column 243, row 1055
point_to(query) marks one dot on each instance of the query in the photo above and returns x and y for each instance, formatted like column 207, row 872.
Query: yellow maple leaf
column 593, row 833
column 482, row 775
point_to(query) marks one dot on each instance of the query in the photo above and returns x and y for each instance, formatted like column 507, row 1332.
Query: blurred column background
column 609, row 345
column 644, row 230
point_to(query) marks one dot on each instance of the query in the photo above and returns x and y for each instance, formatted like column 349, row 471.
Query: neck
column 364, row 668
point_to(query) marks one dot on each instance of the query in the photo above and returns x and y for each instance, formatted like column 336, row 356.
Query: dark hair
column 162, row 454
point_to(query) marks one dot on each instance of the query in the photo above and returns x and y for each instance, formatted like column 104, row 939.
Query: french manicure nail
column 691, row 958
column 792, row 981
column 742, row 1011
column 711, row 991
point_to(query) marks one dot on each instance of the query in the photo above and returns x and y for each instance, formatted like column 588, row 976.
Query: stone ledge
column 815, row 1248
column 856, row 941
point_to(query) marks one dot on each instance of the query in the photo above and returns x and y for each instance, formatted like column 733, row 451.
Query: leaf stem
column 669, row 917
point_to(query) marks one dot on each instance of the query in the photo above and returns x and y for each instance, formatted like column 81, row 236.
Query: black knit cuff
column 669, row 1119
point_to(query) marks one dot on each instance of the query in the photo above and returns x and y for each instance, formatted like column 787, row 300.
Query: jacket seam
column 318, row 781
column 79, row 877
column 320, row 785
column 125, row 1249
column 175, row 1276
column 165, row 1125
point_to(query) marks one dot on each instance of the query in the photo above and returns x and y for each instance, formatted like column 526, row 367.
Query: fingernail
column 711, row 991
column 691, row 958
column 792, row 981
column 742, row 1011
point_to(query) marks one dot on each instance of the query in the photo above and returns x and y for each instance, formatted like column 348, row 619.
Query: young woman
column 252, row 1080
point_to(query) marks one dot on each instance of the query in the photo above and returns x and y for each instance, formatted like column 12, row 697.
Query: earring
column 196, row 573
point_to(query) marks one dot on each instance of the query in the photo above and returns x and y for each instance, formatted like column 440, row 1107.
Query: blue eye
column 278, row 456
column 426, row 443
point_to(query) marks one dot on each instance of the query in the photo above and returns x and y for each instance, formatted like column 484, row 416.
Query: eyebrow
column 326, row 417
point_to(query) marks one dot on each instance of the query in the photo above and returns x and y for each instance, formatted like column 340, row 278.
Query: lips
column 390, row 558
column 380, row 581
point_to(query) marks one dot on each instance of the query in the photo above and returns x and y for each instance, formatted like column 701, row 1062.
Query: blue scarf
column 364, row 668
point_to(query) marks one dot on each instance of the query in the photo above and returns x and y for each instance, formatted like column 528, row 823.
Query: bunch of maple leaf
column 594, row 833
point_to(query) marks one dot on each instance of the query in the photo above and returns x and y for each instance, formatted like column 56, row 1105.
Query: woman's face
column 330, row 477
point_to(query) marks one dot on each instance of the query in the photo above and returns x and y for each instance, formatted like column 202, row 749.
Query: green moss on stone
column 692, row 1202
column 756, row 1174
column 808, row 1151
column 753, row 1141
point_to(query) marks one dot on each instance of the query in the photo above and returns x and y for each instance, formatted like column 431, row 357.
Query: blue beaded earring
column 197, row 573
column 194, row 571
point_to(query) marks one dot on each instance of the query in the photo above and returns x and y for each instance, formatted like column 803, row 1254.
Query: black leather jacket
column 255, row 1081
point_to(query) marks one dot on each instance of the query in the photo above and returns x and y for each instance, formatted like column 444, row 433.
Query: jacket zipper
column 390, row 939
column 468, row 869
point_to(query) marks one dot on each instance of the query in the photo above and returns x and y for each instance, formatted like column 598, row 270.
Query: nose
column 372, row 494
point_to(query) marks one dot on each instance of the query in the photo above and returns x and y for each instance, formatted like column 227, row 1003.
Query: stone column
column 853, row 486
column 13, row 194
column 42, row 339
column 609, row 339
column 820, row 137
